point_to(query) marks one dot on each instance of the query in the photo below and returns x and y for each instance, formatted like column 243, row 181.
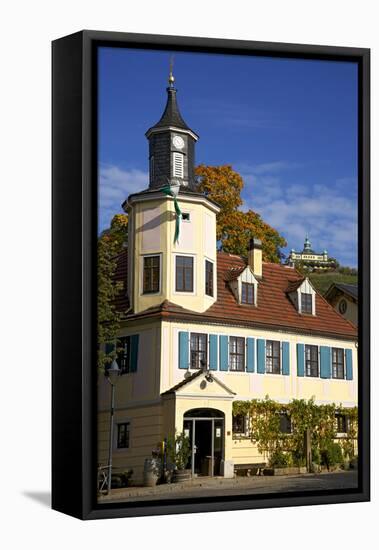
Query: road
column 208, row 487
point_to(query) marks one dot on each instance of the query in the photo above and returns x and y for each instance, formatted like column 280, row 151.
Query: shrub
column 332, row 455
column 279, row 459
column 298, row 459
column 316, row 456
column 354, row 462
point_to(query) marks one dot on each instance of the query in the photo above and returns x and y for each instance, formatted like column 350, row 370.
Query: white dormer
column 303, row 296
column 244, row 286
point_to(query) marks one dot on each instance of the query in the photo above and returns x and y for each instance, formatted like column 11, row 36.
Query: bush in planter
column 279, row 459
column 178, row 450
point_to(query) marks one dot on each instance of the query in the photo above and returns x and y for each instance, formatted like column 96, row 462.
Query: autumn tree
column 109, row 246
column 234, row 226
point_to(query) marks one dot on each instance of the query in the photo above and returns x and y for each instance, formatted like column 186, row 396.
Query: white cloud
column 115, row 185
column 327, row 213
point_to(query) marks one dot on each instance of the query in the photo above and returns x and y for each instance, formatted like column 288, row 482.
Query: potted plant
column 178, row 451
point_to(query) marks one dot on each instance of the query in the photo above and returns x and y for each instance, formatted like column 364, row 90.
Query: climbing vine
column 265, row 426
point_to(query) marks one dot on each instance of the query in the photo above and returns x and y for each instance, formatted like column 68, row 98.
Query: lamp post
column 111, row 375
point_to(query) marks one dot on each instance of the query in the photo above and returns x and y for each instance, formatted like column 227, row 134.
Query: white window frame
column 236, row 371
column 115, row 435
column 160, row 274
column 181, row 292
column 306, row 376
column 245, row 434
column 280, row 358
column 205, row 279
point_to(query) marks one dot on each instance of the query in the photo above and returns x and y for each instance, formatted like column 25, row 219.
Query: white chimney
column 255, row 256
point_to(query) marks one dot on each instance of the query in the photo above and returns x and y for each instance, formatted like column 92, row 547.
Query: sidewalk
column 208, row 486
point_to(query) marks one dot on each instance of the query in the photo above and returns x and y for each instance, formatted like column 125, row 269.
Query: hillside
column 322, row 281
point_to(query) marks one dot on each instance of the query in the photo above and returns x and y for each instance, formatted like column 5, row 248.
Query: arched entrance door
column 205, row 429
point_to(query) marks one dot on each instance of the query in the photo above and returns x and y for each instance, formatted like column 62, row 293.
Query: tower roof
column 171, row 115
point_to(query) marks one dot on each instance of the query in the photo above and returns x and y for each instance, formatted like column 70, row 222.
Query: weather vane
column 171, row 78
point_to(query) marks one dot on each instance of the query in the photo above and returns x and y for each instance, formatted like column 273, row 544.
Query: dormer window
column 247, row 296
column 244, row 286
column 306, row 303
column 303, row 296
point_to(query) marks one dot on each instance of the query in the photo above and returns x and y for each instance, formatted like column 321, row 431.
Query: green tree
column 109, row 246
column 234, row 226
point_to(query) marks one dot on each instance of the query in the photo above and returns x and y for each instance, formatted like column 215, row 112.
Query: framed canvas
column 211, row 276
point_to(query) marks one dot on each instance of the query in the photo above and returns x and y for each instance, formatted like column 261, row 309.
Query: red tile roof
column 274, row 309
column 274, row 306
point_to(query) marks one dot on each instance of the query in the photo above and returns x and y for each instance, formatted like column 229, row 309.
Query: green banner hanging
column 167, row 190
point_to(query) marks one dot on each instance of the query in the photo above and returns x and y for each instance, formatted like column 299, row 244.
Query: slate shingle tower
column 171, row 146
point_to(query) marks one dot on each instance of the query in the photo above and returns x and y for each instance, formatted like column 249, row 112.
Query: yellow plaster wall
column 140, row 386
column 146, row 431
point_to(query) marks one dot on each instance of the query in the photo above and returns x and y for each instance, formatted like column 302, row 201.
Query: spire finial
column 171, row 78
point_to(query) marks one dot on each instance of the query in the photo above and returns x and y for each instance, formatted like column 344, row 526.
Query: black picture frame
column 74, row 206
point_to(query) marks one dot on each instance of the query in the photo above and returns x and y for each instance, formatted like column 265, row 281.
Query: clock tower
column 171, row 147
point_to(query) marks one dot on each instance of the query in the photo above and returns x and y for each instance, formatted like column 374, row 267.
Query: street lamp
column 111, row 374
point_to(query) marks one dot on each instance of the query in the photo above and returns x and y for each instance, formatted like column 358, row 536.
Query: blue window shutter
column 349, row 364
column 325, row 361
column 285, row 358
column 300, row 359
column 261, row 359
column 183, row 350
column 250, row 355
column 224, row 353
column 134, row 341
column 213, row 352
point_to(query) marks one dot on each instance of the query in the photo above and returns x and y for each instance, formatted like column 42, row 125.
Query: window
column 123, row 435
column 247, row 293
column 342, row 424
column 198, row 350
column 123, row 354
column 338, row 364
column 285, row 423
column 184, row 274
column 208, row 278
column 237, row 353
column 311, row 361
column 272, row 357
column 151, row 274
column 178, row 165
column 186, row 216
column 239, row 424
column 306, row 303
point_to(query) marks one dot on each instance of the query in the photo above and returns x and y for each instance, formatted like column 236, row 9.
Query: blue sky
column 289, row 127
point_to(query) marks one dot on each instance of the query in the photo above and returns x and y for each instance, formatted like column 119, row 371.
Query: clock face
column 178, row 142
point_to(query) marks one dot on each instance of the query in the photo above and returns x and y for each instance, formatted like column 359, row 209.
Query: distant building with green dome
column 311, row 259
